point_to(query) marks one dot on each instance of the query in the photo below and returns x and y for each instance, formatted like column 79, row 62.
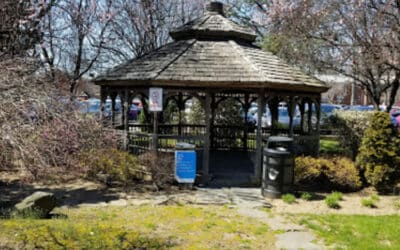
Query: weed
column 289, row 198
column 370, row 202
column 338, row 195
column 306, row 196
column 332, row 201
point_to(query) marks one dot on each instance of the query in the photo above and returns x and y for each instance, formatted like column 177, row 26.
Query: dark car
column 395, row 118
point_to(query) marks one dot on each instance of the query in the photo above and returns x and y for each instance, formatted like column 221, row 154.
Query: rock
column 39, row 204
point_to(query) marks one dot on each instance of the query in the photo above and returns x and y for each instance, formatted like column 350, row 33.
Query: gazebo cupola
column 213, row 59
column 213, row 25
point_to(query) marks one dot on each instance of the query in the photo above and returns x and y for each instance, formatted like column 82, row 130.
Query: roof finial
column 214, row 6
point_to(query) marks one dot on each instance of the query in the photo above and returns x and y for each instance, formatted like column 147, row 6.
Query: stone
column 39, row 204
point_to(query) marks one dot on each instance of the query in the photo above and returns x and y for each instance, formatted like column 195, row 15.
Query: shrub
column 42, row 133
column 332, row 201
column 337, row 173
column 161, row 167
column 112, row 166
column 289, row 198
column 379, row 155
column 351, row 126
column 306, row 196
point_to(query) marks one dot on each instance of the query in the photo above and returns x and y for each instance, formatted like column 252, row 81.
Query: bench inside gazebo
column 210, row 61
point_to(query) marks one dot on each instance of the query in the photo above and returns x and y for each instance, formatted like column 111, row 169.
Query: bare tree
column 357, row 38
column 19, row 24
column 142, row 26
column 75, row 33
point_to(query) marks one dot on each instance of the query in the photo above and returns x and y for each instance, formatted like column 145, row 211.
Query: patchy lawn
column 148, row 227
column 356, row 231
column 331, row 147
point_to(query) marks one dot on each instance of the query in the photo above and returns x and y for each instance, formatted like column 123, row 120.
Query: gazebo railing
column 141, row 138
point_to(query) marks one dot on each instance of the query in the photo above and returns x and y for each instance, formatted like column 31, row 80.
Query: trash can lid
column 185, row 145
column 279, row 151
column 280, row 139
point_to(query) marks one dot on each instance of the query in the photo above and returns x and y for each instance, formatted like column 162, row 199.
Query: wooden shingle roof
column 195, row 60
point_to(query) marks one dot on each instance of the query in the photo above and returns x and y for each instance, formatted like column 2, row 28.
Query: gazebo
column 212, row 59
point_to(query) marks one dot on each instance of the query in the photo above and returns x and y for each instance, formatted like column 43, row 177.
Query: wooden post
column 155, row 132
column 302, row 111
column 318, row 132
column 125, row 110
column 206, row 153
column 309, row 118
column 274, row 110
column 113, row 108
column 259, row 142
column 291, row 111
column 103, row 99
column 181, row 106
column 246, row 108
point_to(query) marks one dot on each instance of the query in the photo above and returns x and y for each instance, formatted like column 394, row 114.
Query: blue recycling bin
column 185, row 163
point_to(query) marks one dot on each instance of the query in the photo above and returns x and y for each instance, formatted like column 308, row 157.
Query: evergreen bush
column 379, row 154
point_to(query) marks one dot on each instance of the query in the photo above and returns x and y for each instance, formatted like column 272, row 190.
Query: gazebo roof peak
column 215, row 7
column 213, row 25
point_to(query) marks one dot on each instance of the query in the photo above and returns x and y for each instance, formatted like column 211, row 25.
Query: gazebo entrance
column 214, row 62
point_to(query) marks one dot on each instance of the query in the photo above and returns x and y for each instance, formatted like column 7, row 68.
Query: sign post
column 155, row 105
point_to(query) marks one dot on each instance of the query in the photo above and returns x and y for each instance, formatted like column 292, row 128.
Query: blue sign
column 185, row 166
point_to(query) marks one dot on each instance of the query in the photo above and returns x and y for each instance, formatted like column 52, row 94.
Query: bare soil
column 80, row 192
column 351, row 205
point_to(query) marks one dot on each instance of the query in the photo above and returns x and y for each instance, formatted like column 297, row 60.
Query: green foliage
column 337, row 195
column 289, row 198
column 331, row 147
column 358, row 232
column 370, row 202
column 113, row 165
column 228, row 114
column 332, row 201
column 197, row 114
column 142, row 117
column 306, row 196
column 379, row 154
column 332, row 173
column 351, row 126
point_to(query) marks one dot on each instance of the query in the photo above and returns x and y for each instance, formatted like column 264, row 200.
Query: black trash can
column 278, row 167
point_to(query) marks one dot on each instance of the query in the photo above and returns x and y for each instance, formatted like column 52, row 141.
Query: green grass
column 144, row 227
column 356, row 231
column 289, row 198
column 331, row 146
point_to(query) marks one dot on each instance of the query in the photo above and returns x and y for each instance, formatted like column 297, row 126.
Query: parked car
column 93, row 106
column 395, row 118
column 327, row 111
column 283, row 117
